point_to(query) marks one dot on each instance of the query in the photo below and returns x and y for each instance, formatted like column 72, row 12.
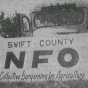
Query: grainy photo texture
column 44, row 44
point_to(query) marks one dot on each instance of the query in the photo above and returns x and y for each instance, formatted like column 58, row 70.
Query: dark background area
column 9, row 26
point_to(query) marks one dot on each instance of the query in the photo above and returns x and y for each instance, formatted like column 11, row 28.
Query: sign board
column 60, row 57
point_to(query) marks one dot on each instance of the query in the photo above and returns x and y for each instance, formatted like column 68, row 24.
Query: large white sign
column 60, row 57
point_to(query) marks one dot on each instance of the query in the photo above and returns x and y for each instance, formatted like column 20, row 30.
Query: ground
column 47, row 84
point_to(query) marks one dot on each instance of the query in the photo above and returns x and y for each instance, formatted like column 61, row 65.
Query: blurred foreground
column 47, row 84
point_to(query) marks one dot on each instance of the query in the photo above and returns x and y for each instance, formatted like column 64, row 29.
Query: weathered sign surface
column 60, row 57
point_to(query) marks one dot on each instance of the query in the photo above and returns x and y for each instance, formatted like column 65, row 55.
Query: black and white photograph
column 44, row 44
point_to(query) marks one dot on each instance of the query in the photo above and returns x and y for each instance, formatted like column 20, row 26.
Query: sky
column 27, row 6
